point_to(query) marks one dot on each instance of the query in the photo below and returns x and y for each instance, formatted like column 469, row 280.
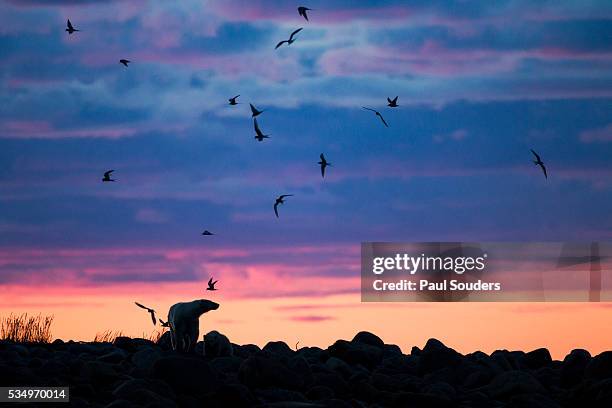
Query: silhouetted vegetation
column 26, row 329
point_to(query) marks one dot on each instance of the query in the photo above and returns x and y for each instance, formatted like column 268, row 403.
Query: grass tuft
column 26, row 329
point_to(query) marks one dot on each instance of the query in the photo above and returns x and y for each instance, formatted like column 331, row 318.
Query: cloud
column 599, row 135
column 456, row 135
column 311, row 318
column 151, row 216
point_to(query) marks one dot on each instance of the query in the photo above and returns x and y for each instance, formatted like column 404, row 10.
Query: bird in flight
column 70, row 28
column 259, row 134
column 254, row 111
column 539, row 162
column 232, row 101
column 164, row 324
column 207, row 232
column 324, row 163
column 148, row 309
column 124, row 62
column 392, row 102
column 211, row 284
column 280, row 200
column 290, row 40
column 302, row 12
column 377, row 114
column 107, row 176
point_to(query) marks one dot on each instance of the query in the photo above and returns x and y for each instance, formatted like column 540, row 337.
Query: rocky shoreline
column 363, row 372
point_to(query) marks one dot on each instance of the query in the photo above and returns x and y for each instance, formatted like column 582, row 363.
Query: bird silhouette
column 232, row 101
column 392, row 102
column 324, row 163
column 290, row 40
column 148, row 309
column 259, row 134
column 164, row 324
column 280, row 200
column 124, row 62
column 377, row 114
column 70, row 28
column 207, row 232
column 539, row 162
column 302, row 12
column 211, row 284
column 254, row 111
column 107, row 176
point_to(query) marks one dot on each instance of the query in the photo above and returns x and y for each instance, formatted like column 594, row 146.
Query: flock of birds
column 260, row 136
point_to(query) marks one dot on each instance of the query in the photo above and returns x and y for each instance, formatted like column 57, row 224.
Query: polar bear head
column 205, row 305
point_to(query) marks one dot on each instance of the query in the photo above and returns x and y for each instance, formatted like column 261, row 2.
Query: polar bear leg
column 193, row 332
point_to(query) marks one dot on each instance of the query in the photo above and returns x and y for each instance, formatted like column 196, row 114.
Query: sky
column 479, row 83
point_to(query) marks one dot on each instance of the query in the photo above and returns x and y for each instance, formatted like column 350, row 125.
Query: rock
column 165, row 341
column 217, row 345
column 57, row 342
column 333, row 381
column 245, row 351
column 139, row 391
column 22, row 351
column 436, row 355
column 537, row 358
column 145, row 357
column 514, row 382
column 292, row 404
column 121, row 403
column 116, row 356
column 574, row 364
column 600, row 366
column 416, row 399
column 278, row 395
column 356, row 353
column 391, row 350
column 257, row 371
column 532, row 401
column 320, row 392
column 314, row 355
column 339, row 366
column 190, row 375
column 126, row 343
column 368, row 338
column 278, row 348
column 232, row 395
column 226, row 364
column 97, row 372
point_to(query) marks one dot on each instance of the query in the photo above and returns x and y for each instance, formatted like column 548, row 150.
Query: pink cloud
column 266, row 11
column 311, row 318
column 241, row 274
column 601, row 135
column 45, row 130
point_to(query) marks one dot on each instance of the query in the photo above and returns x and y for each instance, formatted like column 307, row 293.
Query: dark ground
column 363, row 372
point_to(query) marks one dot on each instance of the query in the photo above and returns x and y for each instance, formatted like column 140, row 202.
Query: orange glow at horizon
column 81, row 313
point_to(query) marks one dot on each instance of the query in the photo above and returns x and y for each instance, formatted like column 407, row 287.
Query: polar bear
column 183, row 319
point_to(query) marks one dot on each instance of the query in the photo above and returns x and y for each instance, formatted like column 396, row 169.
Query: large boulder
column 259, row 371
column 145, row 357
column 435, row 356
column 368, row 338
column 600, row 366
column 217, row 345
column 538, row 358
column 278, row 349
column 140, row 392
column 574, row 364
column 190, row 375
column 356, row 353
column 511, row 383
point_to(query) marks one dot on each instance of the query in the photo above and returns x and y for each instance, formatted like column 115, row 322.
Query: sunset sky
column 480, row 84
